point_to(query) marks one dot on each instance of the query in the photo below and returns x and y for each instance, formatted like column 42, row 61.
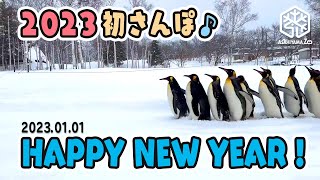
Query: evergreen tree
column 156, row 55
column 121, row 53
column 8, row 13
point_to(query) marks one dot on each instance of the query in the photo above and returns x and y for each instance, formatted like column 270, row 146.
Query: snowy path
column 133, row 103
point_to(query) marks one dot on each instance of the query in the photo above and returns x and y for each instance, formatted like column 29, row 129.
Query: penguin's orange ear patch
column 171, row 78
column 194, row 78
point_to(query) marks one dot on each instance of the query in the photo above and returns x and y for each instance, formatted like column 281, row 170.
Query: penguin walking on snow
column 235, row 96
column 277, row 87
column 176, row 98
column 294, row 106
column 217, row 100
column 312, row 92
column 197, row 99
column 269, row 96
column 249, row 105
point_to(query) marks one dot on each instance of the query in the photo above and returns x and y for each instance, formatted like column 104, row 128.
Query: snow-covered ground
column 131, row 102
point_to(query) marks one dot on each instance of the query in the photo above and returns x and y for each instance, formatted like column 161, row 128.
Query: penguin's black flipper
column 287, row 91
column 237, row 87
column 304, row 97
column 273, row 90
column 175, row 104
column 247, row 96
column 183, row 91
column 255, row 93
column 317, row 80
column 219, row 110
column 195, row 107
column 223, row 105
column 204, row 109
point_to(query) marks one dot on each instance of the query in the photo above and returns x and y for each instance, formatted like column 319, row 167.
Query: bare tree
column 132, row 45
column 235, row 14
column 215, row 49
column 314, row 5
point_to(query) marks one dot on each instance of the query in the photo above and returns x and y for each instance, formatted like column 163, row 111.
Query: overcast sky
column 268, row 10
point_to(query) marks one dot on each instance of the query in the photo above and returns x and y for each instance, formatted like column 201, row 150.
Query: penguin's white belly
column 234, row 102
column 189, row 102
column 292, row 105
column 248, row 103
column 269, row 102
column 313, row 97
column 213, row 103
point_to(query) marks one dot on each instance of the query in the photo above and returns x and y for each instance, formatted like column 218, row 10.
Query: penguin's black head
column 230, row 72
column 214, row 78
column 264, row 74
column 313, row 72
column 268, row 71
column 316, row 71
column 241, row 79
column 171, row 79
column 292, row 71
column 193, row 77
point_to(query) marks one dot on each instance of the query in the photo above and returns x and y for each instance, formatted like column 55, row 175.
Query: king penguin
column 249, row 105
column 312, row 92
column 197, row 99
column 235, row 96
column 217, row 100
column 269, row 96
column 177, row 100
column 277, row 87
column 294, row 106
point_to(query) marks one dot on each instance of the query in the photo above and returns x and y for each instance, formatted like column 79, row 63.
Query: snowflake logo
column 295, row 22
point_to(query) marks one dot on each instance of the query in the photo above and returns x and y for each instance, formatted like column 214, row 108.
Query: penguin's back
column 249, row 105
column 291, row 104
column 213, row 102
column 171, row 100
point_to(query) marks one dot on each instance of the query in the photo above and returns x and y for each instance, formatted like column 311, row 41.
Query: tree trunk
column 9, row 50
column 132, row 55
column 98, row 54
column 127, row 52
column 14, row 57
column 40, row 58
column 101, row 55
column 36, row 49
column 18, row 46
column 2, row 50
column 108, row 47
column 80, row 54
column 53, row 57
column 74, row 62
column 46, row 54
column 25, row 57
column 115, row 54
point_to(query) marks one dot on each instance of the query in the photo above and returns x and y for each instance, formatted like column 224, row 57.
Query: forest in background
column 235, row 15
